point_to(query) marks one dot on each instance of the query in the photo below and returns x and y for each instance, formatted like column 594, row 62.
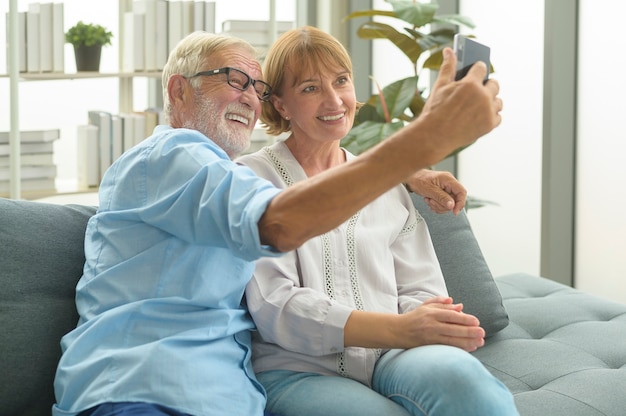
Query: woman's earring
column 287, row 118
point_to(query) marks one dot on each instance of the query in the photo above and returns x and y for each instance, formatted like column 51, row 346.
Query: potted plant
column 400, row 102
column 88, row 40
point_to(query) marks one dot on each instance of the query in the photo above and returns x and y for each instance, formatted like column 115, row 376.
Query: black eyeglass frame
column 263, row 96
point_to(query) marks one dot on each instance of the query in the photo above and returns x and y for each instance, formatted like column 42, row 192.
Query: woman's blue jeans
column 430, row 380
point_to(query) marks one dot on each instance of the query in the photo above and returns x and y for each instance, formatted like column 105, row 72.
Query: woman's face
column 320, row 106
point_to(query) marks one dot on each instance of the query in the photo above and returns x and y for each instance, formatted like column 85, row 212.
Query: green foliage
column 401, row 101
column 87, row 34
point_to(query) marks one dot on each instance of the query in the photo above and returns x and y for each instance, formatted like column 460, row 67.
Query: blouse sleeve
column 418, row 274
column 299, row 319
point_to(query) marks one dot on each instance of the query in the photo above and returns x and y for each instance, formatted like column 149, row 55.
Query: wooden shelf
column 55, row 76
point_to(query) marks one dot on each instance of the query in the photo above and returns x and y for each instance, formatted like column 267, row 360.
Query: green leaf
column 417, row 104
column 434, row 61
column 436, row 39
column 377, row 30
column 454, row 19
column 415, row 13
column 368, row 112
column 369, row 13
column 473, row 202
column 399, row 95
column 368, row 134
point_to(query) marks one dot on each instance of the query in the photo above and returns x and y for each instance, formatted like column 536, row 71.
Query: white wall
column 505, row 166
column 601, row 168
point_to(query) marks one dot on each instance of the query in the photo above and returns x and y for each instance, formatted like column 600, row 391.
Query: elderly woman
column 356, row 321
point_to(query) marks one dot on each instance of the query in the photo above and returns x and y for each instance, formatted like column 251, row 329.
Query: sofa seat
column 563, row 352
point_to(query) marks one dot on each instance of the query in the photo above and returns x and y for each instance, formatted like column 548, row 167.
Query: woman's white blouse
column 381, row 259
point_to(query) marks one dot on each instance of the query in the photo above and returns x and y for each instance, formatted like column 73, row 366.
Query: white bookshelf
column 125, row 86
column 125, row 80
column 52, row 76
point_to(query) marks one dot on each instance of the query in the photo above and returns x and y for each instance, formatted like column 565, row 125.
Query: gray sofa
column 559, row 350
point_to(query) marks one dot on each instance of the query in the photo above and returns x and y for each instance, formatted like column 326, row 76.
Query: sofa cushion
column 464, row 268
column 564, row 352
column 41, row 247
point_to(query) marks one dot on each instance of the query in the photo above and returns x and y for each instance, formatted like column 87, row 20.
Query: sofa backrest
column 41, row 260
column 468, row 277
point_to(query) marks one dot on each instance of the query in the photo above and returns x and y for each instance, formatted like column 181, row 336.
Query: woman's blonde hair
column 304, row 51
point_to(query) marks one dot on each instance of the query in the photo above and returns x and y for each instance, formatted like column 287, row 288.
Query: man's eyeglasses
column 240, row 81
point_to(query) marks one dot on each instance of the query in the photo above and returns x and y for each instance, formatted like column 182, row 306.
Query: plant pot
column 87, row 57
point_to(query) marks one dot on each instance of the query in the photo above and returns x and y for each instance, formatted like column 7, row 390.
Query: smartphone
column 468, row 52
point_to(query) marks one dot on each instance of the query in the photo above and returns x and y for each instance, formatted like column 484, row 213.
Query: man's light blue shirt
column 168, row 256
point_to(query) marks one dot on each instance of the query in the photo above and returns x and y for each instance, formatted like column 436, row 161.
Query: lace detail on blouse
column 280, row 167
column 409, row 228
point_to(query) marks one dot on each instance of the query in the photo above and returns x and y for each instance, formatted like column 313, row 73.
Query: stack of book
column 41, row 38
column 106, row 137
column 38, row 171
column 154, row 27
column 256, row 32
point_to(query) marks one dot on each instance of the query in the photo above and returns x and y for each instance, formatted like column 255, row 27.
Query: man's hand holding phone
column 462, row 110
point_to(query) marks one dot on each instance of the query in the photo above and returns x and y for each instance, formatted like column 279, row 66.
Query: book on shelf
column 152, row 118
column 30, row 159
column 58, row 38
column 37, row 167
column 256, row 32
column 117, row 136
column 160, row 35
column 254, row 26
column 209, row 16
column 259, row 39
column 204, row 16
column 139, row 124
column 21, row 41
column 133, row 42
column 155, row 47
column 174, row 22
column 27, row 148
column 198, row 15
column 128, row 42
column 32, row 38
column 30, row 172
column 45, row 36
column 147, row 8
column 102, row 120
column 128, row 130
column 30, row 185
column 88, row 156
column 107, row 136
column 187, row 18
column 134, row 129
column 33, row 136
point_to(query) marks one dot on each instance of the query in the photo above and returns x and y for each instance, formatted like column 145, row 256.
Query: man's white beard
column 232, row 137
